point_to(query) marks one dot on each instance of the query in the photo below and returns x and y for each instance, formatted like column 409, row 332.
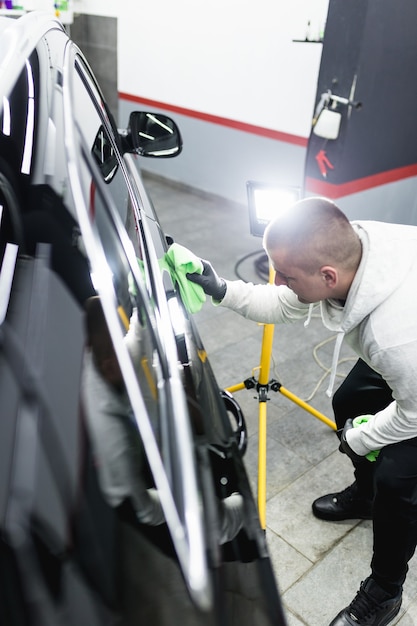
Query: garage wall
column 220, row 159
column 96, row 35
column 237, row 76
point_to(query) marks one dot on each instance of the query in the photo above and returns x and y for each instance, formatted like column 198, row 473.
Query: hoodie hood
column 388, row 252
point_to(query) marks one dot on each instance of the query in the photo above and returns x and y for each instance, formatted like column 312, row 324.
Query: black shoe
column 346, row 504
column 372, row 606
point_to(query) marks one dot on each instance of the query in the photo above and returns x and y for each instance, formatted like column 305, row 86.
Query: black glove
column 211, row 283
column 345, row 447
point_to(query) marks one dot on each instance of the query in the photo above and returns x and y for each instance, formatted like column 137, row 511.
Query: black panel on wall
column 96, row 36
column 369, row 55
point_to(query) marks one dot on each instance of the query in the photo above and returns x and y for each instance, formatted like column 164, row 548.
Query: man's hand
column 345, row 447
column 211, row 283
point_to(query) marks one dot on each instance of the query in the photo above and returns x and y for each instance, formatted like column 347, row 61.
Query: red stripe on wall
column 221, row 121
column 323, row 188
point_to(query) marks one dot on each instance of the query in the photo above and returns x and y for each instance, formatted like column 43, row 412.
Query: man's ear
column 330, row 276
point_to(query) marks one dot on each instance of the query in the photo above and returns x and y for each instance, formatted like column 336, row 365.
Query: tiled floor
column 319, row 565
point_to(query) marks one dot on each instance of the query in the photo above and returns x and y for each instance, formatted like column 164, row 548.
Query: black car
column 76, row 225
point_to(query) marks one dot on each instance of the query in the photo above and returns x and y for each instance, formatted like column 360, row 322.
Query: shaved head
column 312, row 233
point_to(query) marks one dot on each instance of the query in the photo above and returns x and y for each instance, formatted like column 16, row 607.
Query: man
column 117, row 445
column 364, row 274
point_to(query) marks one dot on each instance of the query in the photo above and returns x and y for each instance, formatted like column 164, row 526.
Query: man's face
column 308, row 287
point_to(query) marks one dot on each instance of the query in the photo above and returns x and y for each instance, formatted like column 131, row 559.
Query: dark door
column 367, row 78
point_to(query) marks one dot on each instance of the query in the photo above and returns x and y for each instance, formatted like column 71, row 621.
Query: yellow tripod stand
column 263, row 385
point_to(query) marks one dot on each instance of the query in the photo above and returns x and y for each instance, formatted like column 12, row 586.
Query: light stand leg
column 304, row 405
column 262, row 465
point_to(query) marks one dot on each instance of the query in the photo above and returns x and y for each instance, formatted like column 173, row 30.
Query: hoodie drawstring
column 336, row 353
column 309, row 316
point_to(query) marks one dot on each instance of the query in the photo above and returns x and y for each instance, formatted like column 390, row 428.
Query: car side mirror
column 152, row 135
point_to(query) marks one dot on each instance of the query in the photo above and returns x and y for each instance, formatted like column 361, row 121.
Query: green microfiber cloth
column 179, row 262
column 362, row 419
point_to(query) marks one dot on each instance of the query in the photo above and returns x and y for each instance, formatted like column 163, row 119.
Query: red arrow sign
column 323, row 163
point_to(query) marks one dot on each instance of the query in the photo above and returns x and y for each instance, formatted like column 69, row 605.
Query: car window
column 105, row 156
column 130, row 286
column 133, row 315
column 18, row 125
column 18, row 120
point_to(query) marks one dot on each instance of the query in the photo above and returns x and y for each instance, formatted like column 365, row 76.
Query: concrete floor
column 319, row 565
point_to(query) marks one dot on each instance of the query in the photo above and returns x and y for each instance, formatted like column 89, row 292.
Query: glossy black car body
column 75, row 222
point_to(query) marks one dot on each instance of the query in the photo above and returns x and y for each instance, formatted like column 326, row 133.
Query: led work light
column 265, row 201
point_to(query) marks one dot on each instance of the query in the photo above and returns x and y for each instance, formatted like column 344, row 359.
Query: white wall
column 230, row 58
column 109, row 8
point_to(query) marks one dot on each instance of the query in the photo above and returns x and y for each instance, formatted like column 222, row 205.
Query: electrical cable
column 327, row 370
column 258, row 263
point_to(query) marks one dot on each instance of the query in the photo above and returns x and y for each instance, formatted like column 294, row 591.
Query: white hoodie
column 378, row 320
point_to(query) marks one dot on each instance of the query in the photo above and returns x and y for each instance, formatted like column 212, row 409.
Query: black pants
column 391, row 480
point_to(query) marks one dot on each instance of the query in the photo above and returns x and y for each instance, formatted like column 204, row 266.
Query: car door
column 77, row 222
column 195, row 453
column 127, row 280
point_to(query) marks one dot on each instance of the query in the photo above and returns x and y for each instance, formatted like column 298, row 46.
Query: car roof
column 18, row 38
